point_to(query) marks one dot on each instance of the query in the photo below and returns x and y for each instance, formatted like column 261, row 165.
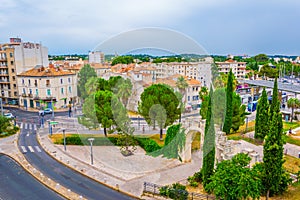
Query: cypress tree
column 262, row 117
column 229, row 102
column 209, row 143
column 273, row 148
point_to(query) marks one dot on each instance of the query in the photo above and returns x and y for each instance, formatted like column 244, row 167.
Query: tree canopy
column 159, row 102
column 229, row 104
column 262, row 117
column 84, row 75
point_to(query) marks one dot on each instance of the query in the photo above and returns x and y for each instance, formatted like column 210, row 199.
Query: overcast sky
column 220, row 26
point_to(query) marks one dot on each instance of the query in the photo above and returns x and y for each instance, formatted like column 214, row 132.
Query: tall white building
column 96, row 57
column 238, row 68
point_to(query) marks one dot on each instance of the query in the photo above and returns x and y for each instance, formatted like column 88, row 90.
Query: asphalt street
column 65, row 176
column 15, row 183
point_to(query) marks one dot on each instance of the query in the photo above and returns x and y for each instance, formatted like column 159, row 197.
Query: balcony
column 3, row 58
column 36, row 97
column 48, row 85
column 24, row 95
column 30, row 95
column 3, row 74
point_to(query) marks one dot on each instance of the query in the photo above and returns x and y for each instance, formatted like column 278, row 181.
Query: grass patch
column 196, row 141
column 240, row 137
column 291, row 164
column 288, row 125
column 292, row 193
column 156, row 138
column 292, row 140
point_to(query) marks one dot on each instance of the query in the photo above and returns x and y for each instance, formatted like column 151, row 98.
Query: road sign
column 53, row 122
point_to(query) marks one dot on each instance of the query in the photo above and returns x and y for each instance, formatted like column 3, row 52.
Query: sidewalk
column 114, row 170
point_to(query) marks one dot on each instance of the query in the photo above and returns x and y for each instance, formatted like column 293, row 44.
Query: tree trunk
column 105, row 134
column 161, row 134
column 268, row 193
column 292, row 114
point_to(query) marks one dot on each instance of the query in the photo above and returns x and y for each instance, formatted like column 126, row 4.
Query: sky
column 220, row 26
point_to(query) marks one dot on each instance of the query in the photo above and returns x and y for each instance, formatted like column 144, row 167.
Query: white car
column 9, row 115
column 46, row 111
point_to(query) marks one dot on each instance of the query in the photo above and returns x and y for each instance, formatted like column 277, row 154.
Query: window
column 28, row 81
column 15, row 86
column 188, row 98
column 48, row 92
column 35, row 83
column 62, row 90
column 47, row 82
column 24, row 91
column 36, row 92
column 14, row 78
column 12, row 62
column 11, row 55
column 30, row 91
column 61, row 81
column 70, row 89
column 23, row 82
column 12, row 70
column 69, row 80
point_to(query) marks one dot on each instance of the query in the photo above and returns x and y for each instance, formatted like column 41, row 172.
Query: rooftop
column 40, row 71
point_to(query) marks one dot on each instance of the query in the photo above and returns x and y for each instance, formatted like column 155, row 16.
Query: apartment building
column 96, row 57
column 15, row 58
column 238, row 68
column 44, row 87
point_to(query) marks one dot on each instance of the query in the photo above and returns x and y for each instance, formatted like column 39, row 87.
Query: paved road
column 15, row 183
column 60, row 173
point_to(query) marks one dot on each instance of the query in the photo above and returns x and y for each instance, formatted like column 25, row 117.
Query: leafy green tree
column 261, row 58
column 203, row 92
column 293, row 103
column 209, row 143
column 103, row 109
column 4, row 124
column 181, row 84
column 84, row 75
column 220, row 105
column 204, row 107
column 122, row 60
column 234, row 180
column 267, row 71
column 229, row 110
column 123, row 90
column 89, row 118
column 238, row 114
column 261, row 119
column 159, row 94
column 91, row 86
column 273, row 148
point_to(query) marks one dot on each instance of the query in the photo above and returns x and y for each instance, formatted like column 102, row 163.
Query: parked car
column 45, row 111
column 9, row 115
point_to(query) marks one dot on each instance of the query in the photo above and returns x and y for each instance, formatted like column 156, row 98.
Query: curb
column 61, row 190
column 78, row 171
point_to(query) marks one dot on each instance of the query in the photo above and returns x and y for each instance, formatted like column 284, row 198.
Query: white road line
column 38, row 148
column 35, row 127
column 27, row 134
column 25, row 126
column 21, row 126
column 30, row 149
column 23, row 149
column 29, row 126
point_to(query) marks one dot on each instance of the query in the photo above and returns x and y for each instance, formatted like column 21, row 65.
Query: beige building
column 17, row 57
column 40, row 87
column 238, row 68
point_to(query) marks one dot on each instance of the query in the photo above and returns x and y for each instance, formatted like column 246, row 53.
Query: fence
column 155, row 190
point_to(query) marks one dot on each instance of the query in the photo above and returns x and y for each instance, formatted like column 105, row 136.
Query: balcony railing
column 48, row 85
column 36, row 97
column 23, row 95
column 30, row 95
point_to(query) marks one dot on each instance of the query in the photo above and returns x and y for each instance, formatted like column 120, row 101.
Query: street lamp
column 64, row 135
column 91, row 143
column 50, row 127
column 52, row 108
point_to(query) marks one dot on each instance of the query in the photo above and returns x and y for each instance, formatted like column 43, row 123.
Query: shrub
column 72, row 140
column 176, row 191
column 195, row 179
column 147, row 144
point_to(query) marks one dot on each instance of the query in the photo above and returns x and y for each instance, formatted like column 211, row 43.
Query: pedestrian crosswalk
column 27, row 126
column 31, row 149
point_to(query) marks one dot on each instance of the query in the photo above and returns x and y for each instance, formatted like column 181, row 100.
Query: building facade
column 47, row 87
column 238, row 68
column 96, row 57
column 15, row 58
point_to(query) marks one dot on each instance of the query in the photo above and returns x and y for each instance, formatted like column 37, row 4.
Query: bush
column 176, row 191
column 147, row 144
column 72, row 140
column 195, row 179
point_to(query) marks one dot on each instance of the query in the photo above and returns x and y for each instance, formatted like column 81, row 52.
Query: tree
column 228, row 117
column 122, row 60
column 89, row 118
column 91, row 86
column 209, row 143
column 204, row 107
column 293, row 103
column 273, row 148
column 220, row 105
column 238, row 113
column 123, row 90
column 182, row 85
column 4, row 124
column 103, row 109
column 84, row 75
column 203, row 92
column 261, row 119
column 159, row 94
column 234, row 180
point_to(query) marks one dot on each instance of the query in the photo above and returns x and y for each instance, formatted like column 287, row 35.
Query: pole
column 64, row 139
column 91, row 143
column 42, row 121
column 52, row 108
column 1, row 106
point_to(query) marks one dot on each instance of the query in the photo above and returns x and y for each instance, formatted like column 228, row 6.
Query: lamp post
column 52, row 108
column 64, row 135
column 50, row 127
column 91, row 143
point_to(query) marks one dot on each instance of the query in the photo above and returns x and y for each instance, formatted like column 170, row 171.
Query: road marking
column 30, row 149
column 35, row 128
column 21, row 126
column 27, row 134
column 26, row 126
column 23, row 149
column 29, row 126
column 38, row 148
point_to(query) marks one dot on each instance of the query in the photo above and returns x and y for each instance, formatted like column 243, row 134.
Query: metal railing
column 155, row 190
